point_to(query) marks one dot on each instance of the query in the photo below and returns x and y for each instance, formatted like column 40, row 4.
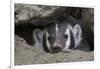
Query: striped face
column 61, row 37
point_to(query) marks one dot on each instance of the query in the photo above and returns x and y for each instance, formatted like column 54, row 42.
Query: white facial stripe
column 47, row 42
column 56, row 27
column 68, row 41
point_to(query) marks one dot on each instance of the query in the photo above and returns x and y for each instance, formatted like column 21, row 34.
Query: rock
column 28, row 11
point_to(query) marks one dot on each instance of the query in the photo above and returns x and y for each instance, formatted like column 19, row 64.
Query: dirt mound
column 26, row 54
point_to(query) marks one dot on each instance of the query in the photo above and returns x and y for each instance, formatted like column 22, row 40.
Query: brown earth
column 26, row 54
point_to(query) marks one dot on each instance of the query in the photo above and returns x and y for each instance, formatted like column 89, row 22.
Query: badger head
column 61, row 37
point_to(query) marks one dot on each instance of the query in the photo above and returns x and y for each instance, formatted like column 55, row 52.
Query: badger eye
column 49, row 38
column 65, row 36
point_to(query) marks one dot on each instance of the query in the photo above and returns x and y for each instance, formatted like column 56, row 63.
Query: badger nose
column 56, row 48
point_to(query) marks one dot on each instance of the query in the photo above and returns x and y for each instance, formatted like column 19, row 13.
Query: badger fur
column 66, row 36
column 62, row 37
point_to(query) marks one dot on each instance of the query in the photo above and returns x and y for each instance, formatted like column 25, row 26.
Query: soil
column 26, row 54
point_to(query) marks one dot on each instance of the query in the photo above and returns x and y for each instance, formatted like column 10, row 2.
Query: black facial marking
column 72, row 44
column 44, row 43
column 65, row 36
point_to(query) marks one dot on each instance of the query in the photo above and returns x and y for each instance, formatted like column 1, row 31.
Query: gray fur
column 56, row 36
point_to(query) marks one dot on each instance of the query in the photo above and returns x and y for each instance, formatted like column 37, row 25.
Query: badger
column 66, row 36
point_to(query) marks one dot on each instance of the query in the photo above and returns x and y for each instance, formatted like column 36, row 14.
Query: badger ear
column 37, row 35
column 77, row 32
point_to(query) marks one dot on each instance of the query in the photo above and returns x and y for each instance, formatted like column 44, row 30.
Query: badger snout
column 56, row 47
